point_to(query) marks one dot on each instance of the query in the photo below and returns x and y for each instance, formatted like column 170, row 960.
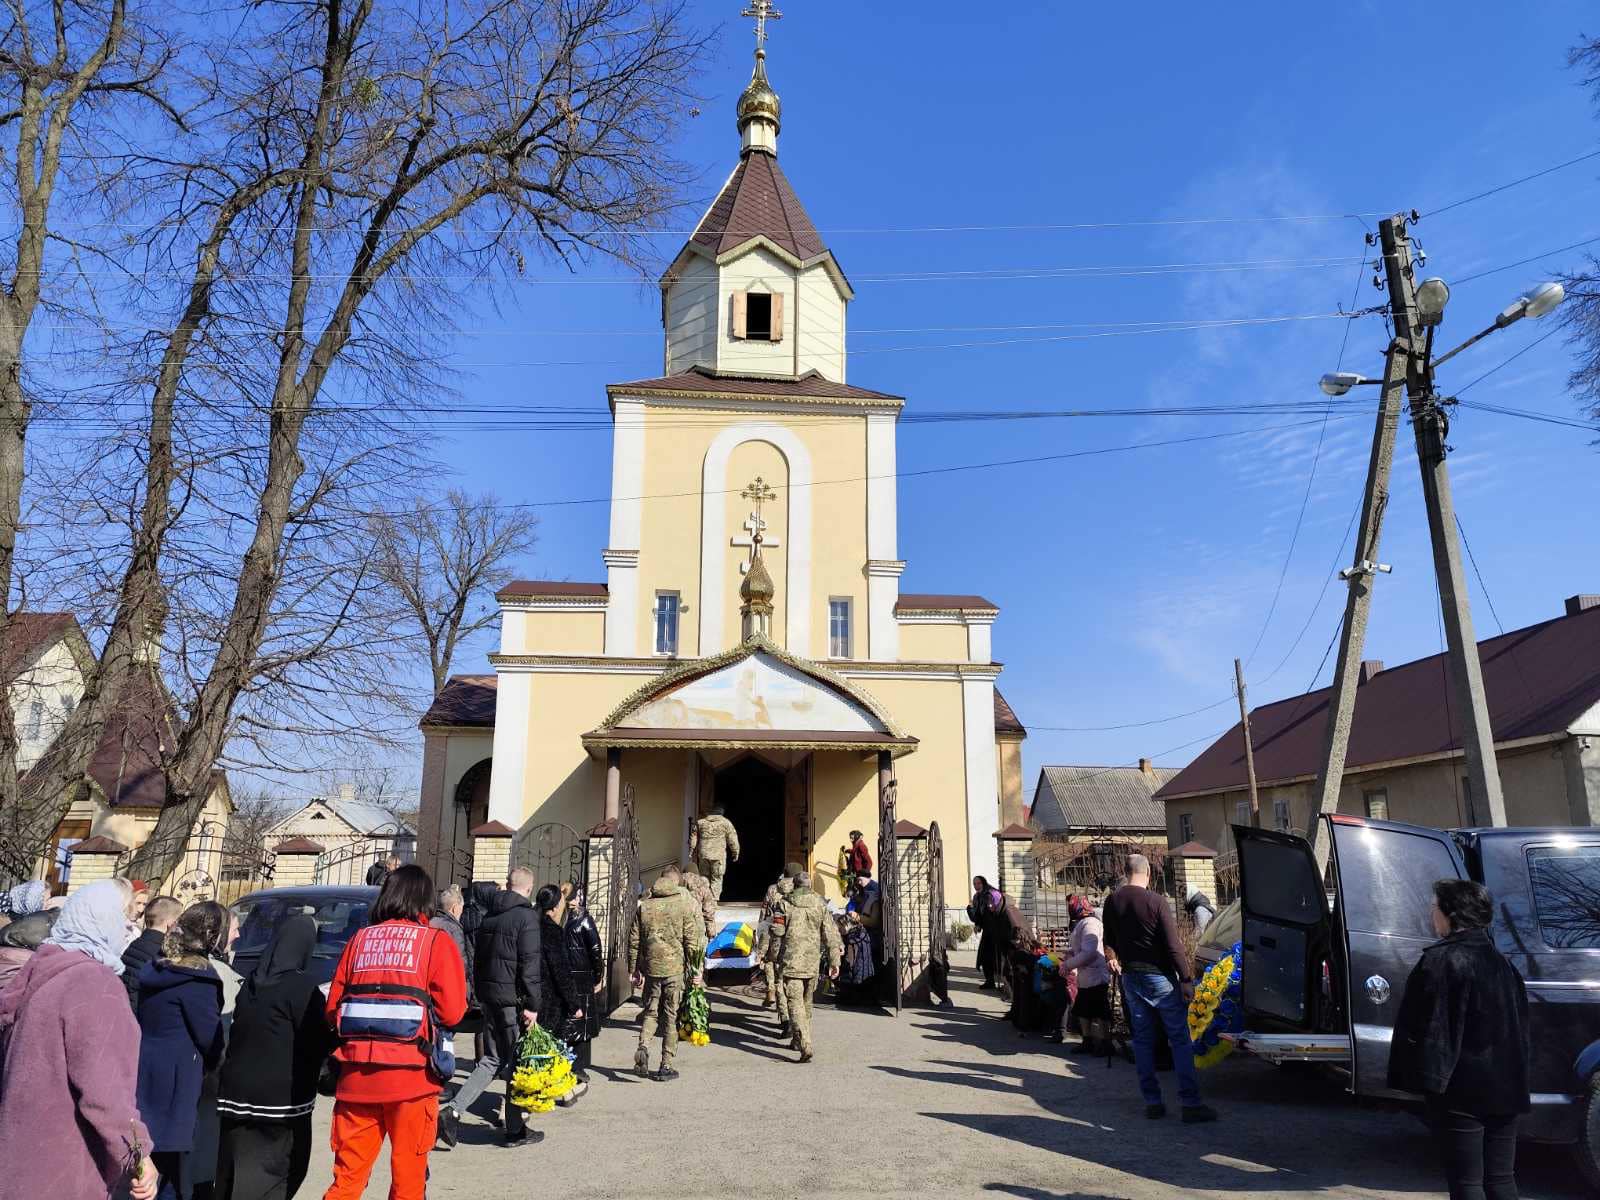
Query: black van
column 1322, row 981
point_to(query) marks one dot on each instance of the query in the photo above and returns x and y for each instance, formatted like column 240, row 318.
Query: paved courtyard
column 948, row 1103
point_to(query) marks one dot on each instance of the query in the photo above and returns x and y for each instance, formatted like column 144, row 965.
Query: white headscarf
column 95, row 921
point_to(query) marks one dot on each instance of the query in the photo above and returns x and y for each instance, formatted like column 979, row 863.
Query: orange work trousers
column 358, row 1133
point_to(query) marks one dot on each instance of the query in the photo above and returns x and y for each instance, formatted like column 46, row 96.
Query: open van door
column 1383, row 880
column 1284, row 935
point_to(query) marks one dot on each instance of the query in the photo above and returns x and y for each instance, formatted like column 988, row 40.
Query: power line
column 1529, row 415
column 1560, row 166
column 1522, row 262
column 1550, row 333
column 1311, row 476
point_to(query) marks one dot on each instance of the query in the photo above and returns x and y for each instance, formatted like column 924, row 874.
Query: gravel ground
column 947, row 1102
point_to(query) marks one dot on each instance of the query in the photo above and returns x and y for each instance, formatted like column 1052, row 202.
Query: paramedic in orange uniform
column 397, row 984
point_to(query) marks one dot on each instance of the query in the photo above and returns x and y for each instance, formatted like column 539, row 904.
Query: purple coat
column 71, row 1054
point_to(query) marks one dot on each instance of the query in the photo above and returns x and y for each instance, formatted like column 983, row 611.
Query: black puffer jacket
column 143, row 950
column 480, row 896
column 564, row 973
column 508, row 961
column 1462, row 1031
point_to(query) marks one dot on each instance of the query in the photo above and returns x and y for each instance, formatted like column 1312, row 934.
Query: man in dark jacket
column 509, row 991
column 146, row 948
column 380, row 870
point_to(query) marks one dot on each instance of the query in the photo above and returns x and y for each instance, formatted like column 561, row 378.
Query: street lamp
column 1534, row 302
column 1337, row 383
column 1432, row 295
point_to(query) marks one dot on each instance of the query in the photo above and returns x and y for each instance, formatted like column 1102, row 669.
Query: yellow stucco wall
column 575, row 632
column 933, row 643
column 1008, row 766
column 561, row 782
column 676, row 444
column 844, row 796
column 931, row 783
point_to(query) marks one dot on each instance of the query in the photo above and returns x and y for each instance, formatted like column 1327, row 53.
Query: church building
column 750, row 645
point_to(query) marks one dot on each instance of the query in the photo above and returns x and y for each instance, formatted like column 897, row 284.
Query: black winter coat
column 508, row 957
column 563, row 982
column 479, row 897
column 276, row 1048
column 591, row 959
column 1462, row 1032
column 145, row 949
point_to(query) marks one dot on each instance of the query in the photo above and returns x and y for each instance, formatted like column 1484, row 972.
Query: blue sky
column 1129, row 581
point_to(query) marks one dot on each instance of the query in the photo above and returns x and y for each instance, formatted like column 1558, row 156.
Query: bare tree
column 69, row 71
column 254, row 812
column 445, row 561
column 357, row 168
column 1581, row 313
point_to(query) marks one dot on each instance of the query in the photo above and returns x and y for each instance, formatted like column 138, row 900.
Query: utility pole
column 1249, row 750
column 1430, row 424
column 1409, row 366
column 1362, row 573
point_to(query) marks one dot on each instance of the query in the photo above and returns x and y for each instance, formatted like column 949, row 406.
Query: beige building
column 47, row 659
column 750, row 645
column 1405, row 762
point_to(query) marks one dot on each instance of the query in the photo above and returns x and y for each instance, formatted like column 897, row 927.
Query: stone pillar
column 94, row 859
column 491, row 851
column 1193, row 870
column 1018, row 876
column 295, row 863
column 613, row 783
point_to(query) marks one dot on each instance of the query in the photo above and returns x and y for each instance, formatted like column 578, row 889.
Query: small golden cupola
column 757, row 591
column 760, row 110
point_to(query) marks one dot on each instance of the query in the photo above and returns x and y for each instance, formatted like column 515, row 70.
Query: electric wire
column 1560, row 166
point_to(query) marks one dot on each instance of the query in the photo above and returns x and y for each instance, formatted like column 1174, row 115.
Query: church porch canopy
column 755, row 696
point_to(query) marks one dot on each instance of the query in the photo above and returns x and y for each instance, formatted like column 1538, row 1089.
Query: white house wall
column 692, row 317
column 821, row 344
column 41, row 698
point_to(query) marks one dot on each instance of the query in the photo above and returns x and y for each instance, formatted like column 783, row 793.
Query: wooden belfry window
column 758, row 316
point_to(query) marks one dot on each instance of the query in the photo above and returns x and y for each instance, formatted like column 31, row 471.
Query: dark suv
column 1322, row 982
column 338, row 912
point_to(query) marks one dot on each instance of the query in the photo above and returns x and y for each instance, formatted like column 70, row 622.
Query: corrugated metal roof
column 1070, row 798
column 368, row 818
column 1537, row 680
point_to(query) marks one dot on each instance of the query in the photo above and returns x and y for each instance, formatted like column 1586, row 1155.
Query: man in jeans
column 508, row 987
column 1143, row 948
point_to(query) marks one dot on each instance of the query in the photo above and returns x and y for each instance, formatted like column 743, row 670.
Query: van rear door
column 1383, row 880
column 1284, row 930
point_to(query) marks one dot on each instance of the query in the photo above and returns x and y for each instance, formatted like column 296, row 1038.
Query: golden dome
column 757, row 588
column 758, row 100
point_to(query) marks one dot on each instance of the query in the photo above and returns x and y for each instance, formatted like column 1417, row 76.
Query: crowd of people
column 1460, row 1038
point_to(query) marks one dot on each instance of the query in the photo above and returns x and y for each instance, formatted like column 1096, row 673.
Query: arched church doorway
column 751, row 793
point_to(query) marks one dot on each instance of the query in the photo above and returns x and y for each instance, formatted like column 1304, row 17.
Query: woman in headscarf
column 181, row 1038
column 69, row 1126
column 23, row 899
column 279, row 1039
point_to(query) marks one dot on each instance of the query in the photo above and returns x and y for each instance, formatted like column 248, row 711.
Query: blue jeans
column 1151, row 998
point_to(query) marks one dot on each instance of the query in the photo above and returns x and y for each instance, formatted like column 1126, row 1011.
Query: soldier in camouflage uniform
column 666, row 935
column 769, row 945
column 699, row 900
column 808, row 928
column 714, row 844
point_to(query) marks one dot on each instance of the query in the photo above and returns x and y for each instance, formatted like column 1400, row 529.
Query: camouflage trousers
column 769, row 972
column 713, row 869
column 662, row 999
column 799, row 993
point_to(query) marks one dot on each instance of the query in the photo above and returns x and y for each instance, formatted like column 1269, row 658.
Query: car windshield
column 337, row 918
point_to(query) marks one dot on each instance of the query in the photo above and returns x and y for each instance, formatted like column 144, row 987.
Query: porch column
column 491, row 851
column 613, row 783
column 885, row 774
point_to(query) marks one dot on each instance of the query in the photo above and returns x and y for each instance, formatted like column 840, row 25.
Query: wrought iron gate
column 553, row 852
column 1091, row 867
column 889, row 882
column 623, row 900
column 938, row 948
column 348, row 864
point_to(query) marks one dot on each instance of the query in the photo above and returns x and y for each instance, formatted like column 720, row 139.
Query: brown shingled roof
column 464, row 700
column 698, row 379
column 298, row 845
column 27, row 635
column 932, row 601
column 1537, row 680
column 138, row 735
column 757, row 201
column 1005, row 720
column 550, row 587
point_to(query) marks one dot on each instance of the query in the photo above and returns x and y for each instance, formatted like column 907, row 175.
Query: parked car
column 338, row 912
column 1323, row 981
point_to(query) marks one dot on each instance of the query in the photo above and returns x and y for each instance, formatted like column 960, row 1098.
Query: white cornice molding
column 620, row 558
column 885, row 567
column 561, row 664
column 555, row 603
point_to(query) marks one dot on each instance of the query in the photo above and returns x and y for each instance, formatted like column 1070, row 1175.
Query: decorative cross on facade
column 747, row 541
column 762, row 11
